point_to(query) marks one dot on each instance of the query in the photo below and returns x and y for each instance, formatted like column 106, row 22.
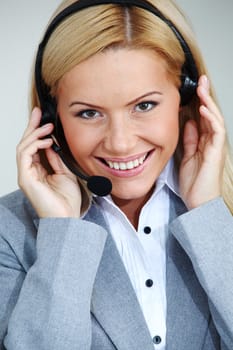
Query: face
column 119, row 111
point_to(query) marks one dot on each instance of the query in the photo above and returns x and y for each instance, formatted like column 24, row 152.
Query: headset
column 100, row 185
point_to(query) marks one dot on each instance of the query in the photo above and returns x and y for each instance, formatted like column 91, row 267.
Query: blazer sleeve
column 206, row 234
column 49, row 306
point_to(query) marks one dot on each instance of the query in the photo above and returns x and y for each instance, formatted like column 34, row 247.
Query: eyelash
column 82, row 113
column 151, row 104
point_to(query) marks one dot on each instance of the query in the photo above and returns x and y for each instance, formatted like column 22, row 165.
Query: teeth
column 126, row 165
column 115, row 166
column 123, row 166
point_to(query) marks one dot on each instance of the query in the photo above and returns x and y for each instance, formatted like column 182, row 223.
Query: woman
column 148, row 266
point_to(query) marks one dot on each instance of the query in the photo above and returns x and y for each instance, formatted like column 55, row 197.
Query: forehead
column 114, row 68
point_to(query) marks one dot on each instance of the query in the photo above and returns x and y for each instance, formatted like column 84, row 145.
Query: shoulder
column 15, row 201
column 208, row 226
column 15, row 207
column 17, row 227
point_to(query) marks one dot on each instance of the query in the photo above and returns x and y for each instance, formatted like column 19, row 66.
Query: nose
column 120, row 137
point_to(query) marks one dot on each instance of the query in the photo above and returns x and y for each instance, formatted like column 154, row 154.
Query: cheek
column 81, row 141
column 166, row 133
column 171, row 130
column 75, row 139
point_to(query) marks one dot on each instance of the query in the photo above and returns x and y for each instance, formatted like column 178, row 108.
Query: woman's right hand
column 52, row 195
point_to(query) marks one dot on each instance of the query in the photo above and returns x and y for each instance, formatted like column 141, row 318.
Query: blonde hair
column 98, row 28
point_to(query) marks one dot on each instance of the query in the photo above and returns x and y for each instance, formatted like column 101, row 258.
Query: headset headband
column 189, row 68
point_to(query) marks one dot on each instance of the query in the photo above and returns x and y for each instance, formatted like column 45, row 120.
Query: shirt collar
column 167, row 177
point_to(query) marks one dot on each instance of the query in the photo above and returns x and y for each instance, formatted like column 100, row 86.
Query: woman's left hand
column 201, row 169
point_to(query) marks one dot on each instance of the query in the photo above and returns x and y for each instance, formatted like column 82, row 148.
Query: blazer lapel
column 114, row 302
column 187, row 304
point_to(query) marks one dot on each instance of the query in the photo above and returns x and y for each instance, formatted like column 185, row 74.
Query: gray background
column 21, row 25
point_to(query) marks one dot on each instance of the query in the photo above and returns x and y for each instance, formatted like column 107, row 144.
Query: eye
column 145, row 106
column 88, row 114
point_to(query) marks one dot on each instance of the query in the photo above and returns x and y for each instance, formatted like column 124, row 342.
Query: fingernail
column 45, row 126
column 35, row 113
column 206, row 81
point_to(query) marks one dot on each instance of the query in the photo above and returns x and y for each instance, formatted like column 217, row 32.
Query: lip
column 127, row 159
column 130, row 172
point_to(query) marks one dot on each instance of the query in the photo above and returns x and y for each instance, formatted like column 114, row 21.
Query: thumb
column 190, row 140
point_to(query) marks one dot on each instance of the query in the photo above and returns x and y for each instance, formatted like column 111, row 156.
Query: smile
column 129, row 165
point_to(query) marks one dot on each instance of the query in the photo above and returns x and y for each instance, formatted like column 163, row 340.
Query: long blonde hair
column 95, row 29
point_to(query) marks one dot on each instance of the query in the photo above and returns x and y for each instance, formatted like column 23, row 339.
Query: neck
column 132, row 207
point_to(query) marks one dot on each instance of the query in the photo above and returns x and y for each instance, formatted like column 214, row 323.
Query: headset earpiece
column 187, row 89
column 49, row 112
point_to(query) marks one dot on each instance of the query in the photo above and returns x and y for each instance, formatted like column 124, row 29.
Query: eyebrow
column 129, row 103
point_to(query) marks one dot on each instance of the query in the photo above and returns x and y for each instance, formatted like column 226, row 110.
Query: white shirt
column 144, row 254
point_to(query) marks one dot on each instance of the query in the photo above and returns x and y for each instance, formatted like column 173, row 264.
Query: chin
column 132, row 192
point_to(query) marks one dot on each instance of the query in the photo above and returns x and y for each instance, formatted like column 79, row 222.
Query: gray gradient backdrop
column 21, row 25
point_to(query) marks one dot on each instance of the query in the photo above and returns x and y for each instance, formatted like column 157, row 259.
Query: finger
column 39, row 133
column 31, row 135
column 26, row 156
column 34, row 121
column 204, row 126
column 34, row 125
column 207, row 101
column 203, row 92
column 215, row 127
column 56, row 163
column 204, row 81
column 190, row 140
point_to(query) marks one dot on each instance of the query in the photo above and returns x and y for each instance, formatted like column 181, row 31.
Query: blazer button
column 157, row 339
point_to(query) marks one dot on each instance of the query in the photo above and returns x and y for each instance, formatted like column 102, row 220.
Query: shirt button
column 157, row 339
column 147, row 230
column 149, row 283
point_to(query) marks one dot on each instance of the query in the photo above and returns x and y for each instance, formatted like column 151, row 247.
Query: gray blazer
column 63, row 285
